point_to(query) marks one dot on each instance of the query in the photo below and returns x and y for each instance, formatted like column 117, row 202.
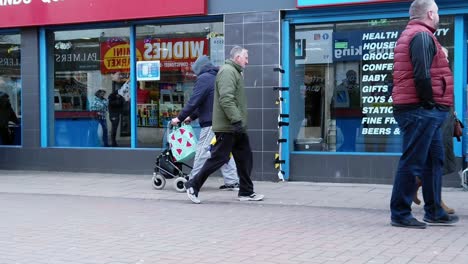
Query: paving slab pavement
column 334, row 195
column 90, row 218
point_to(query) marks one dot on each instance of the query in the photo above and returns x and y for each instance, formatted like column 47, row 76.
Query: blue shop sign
column 315, row 3
column 357, row 45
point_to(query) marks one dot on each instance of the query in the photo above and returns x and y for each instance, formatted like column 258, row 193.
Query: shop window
column 165, row 80
column 87, row 68
column 342, row 83
column 10, row 89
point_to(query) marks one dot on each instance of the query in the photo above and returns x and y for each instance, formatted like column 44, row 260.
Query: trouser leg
column 202, row 152
column 105, row 132
column 420, row 129
column 432, row 179
column 4, row 136
column 244, row 161
column 219, row 156
column 229, row 171
column 115, row 120
column 415, row 148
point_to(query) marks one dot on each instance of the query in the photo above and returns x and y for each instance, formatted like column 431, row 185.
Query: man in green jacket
column 229, row 126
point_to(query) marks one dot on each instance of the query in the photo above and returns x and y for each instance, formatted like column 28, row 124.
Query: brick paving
column 55, row 217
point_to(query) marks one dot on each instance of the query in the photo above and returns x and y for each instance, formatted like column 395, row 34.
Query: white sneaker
column 252, row 197
column 192, row 195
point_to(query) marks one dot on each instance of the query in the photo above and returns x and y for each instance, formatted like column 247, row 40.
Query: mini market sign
column 173, row 54
column 319, row 3
column 23, row 13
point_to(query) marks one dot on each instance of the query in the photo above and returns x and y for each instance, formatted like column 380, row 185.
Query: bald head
column 426, row 11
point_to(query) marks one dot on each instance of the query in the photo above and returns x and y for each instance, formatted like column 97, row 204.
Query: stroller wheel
column 464, row 179
column 179, row 184
column 158, row 181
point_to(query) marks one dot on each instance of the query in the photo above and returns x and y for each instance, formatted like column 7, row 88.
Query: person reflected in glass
column 7, row 115
column 100, row 104
column 347, row 111
column 116, row 107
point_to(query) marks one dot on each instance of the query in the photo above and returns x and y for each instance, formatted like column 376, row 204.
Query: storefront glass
column 88, row 64
column 342, row 82
column 164, row 77
column 87, row 68
column 10, row 89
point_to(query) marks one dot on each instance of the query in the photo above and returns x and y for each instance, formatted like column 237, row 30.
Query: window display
column 170, row 51
column 87, row 74
column 10, row 89
column 92, row 60
column 342, row 84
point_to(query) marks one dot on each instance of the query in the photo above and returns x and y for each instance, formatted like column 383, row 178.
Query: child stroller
column 167, row 168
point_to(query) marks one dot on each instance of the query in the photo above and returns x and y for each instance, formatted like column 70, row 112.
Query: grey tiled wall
column 259, row 33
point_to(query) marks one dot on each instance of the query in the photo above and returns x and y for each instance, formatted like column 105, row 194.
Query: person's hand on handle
column 188, row 120
column 175, row 121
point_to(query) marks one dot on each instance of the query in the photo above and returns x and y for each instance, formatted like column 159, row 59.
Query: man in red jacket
column 422, row 96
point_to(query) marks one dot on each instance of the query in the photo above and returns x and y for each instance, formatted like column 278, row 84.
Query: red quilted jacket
column 404, row 90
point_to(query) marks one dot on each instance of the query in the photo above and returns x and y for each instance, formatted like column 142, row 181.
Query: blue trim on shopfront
column 392, row 10
column 346, row 153
column 43, row 87
column 459, row 74
column 285, row 103
column 133, row 99
column 9, row 31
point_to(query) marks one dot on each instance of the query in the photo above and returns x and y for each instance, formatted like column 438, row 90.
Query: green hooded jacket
column 230, row 102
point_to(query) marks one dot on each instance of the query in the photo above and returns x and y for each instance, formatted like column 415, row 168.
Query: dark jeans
column 226, row 143
column 6, row 136
column 105, row 140
column 423, row 156
column 115, row 120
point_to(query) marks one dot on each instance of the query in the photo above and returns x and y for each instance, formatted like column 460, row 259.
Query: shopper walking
column 200, row 105
column 7, row 115
column 100, row 106
column 422, row 96
column 450, row 165
column 116, row 107
column 229, row 126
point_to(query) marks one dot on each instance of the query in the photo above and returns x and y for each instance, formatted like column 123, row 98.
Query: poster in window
column 299, row 49
column 313, row 46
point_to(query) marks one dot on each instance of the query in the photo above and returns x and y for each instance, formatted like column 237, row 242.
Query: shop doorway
column 312, row 88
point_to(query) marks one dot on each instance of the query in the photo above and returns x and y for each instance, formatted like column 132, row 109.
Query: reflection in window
column 342, row 83
column 90, row 90
column 10, row 89
column 166, row 79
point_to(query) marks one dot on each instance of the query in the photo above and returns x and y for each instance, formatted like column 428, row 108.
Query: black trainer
column 229, row 187
column 409, row 223
column 447, row 220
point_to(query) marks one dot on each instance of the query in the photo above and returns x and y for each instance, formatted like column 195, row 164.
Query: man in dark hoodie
column 200, row 105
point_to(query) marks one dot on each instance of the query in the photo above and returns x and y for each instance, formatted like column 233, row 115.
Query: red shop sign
column 22, row 13
column 175, row 54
